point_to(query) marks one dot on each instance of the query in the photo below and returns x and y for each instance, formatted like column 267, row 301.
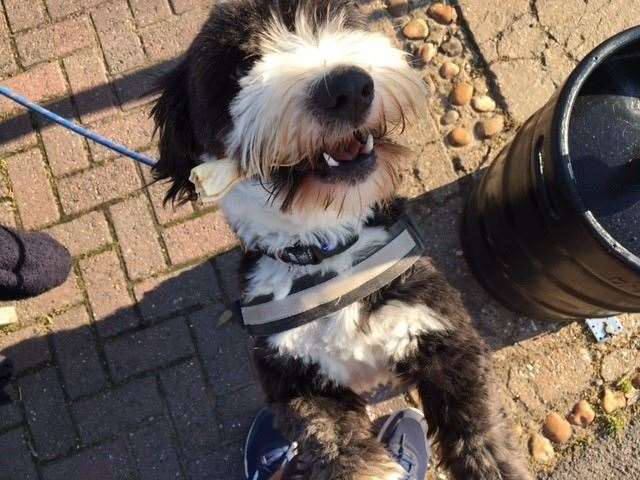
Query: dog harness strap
column 310, row 254
column 313, row 298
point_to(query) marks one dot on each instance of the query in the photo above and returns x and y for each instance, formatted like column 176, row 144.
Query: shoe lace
column 405, row 461
column 273, row 460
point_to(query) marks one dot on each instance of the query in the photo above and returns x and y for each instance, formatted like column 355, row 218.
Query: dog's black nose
column 345, row 93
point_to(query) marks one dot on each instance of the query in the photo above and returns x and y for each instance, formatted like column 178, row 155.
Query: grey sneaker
column 405, row 436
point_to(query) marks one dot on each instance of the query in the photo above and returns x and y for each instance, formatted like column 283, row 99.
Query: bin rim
column 560, row 140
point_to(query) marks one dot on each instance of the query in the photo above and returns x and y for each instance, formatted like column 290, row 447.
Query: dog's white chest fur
column 353, row 357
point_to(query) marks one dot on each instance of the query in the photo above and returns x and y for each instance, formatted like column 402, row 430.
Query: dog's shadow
column 172, row 370
column 438, row 215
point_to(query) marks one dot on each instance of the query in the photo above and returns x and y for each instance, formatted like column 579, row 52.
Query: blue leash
column 74, row 127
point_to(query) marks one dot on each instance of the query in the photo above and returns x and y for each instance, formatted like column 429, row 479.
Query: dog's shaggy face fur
column 302, row 97
column 254, row 81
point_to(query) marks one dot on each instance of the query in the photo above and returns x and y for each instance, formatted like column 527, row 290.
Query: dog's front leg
column 328, row 421
column 453, row 376
column 335, row 438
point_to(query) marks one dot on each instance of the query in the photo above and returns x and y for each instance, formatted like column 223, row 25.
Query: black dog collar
column 315, row 296
column 299, row 254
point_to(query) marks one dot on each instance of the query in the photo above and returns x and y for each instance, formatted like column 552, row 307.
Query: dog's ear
column 179, row 151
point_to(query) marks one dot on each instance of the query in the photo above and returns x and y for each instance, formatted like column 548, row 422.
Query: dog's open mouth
column 359, row 149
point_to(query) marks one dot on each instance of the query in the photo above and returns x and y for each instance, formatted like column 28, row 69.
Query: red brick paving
column 106, row 288
column 54, row 40
column 205, row 235
column 24, row 13
column 38, row 84
column 32, row 189
column 138, row 238
column 66, row 151
column 116, row 29
column 83, row 235
column 87, row 73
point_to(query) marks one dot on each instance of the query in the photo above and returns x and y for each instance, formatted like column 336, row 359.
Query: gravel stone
column 452, row 47
column 461, row 94
column 449, row 70
column 427, row 52
column 460, row 137
column 416, row 29
column 540, row 448
column 450, row 117
column 483, row 103
column 491, row 126
column 557, row 429
column 442, row 13
column 612, row 401
column 582, row 414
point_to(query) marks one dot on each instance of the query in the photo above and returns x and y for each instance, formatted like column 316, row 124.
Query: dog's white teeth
column 368, row 148
column 330, row 161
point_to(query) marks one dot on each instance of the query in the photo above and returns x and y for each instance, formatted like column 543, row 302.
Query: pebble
column 450, row 117
column 461, row 94
column 540, row 448
column 427, row 52
column 398, row 8
column 483, row 103
column 442, row 13
column 460, row 137
column 612, row 401
column 416, row 29
column 449, row 70
column 452, row 47
column 490, row 127
column 557, row 429
column 582, row 414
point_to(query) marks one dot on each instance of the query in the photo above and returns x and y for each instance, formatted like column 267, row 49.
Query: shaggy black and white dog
column 301, row 97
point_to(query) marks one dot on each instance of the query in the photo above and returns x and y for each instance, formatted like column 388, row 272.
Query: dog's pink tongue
column 350, row 152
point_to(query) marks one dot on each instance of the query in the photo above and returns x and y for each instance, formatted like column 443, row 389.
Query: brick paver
column 47, row 416
column 205, row 235
column 192, row 408
column 116, row 29
column 147, row 350
column 76, row 352
column 118, row 410
column 27, row 347
column 24, row 14
column 8, row 63
column 108, row 295
column 88, row 79
column 168, row 294
column 54, row 40
column 39, row 83
column 124, row 371
column 138, row 237
column 155, row 453
column 105, row 462
column 149, row 11
column 32, row 189
column 98, row 185
column 55, row 300
column 66, row 152
column 85, row 234
column 133, row 130
column 17, row 134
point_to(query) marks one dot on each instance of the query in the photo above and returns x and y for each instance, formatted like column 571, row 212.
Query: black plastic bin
column 552, row 230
